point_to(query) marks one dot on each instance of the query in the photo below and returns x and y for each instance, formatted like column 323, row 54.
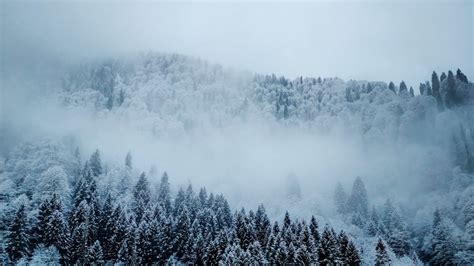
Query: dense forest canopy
column 371, row 173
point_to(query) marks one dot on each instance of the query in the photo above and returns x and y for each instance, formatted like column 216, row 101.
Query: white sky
column 373, row 40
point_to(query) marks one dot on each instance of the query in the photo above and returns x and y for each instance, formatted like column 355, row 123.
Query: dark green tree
column 18, row 244
column 381, row 254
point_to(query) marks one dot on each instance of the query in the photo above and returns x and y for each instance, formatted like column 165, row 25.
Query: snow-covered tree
column 18, row 244
column 381, row 258
column 358, row 201
column 340, row 199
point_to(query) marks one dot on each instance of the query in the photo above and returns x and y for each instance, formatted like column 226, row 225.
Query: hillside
column 286, row 143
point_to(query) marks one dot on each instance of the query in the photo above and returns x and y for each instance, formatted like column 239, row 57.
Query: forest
column 407, row 156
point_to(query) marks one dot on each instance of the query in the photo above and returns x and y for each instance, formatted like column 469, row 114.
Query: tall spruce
column 358, row 202
column 18, row 244
column 95, row 163
column 381, row 255
column 141, row 197
column 164, row 194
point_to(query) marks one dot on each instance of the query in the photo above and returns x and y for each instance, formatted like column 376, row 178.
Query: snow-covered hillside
column 286, row 143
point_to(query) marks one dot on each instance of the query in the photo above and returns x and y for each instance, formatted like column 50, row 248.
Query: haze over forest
column 350, row 124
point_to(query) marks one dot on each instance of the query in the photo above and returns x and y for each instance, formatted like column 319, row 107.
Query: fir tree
column 460, row 76
column 95, row 163
column 358, row 201
column 422, row 89
column 442, row 77
column 121, row 98
column 328, row 252
column 451, row 91
column 340, row 199
column 352, row 255
column 435, row 83
column 343, row 241
column 442, row 243
column 18, row 245
column 262, row 226
column 381, row 254
column 429, row 91
column 256, row 255
column 391, row 87
column 313, row 227
column 95, row 255
column 128, row 250
column 181, row 232
column 141, row 197
column 128, row 160
column 57, row 232
column 164, row 197
column 403, row 88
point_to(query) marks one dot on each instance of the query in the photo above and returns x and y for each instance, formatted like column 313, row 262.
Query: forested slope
column 413, row 150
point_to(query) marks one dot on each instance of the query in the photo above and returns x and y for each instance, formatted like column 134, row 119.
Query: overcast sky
column 370, row 40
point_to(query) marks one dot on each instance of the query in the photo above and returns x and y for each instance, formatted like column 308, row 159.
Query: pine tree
column 429, row 91
column 86, row 188
column 95, row 255
column 18, row 245
column 381, row 257
column 195, row 246
column 436, row 89
column 281, row 253
column 352, row 255
column 128, row 250
column 412, row 92
column 57, row 232
column 415, row 259
column 222, row 211
column 121, row 98
column 234, row 255
column 78, row 244
column 399, row 242
column 358, row 201
column 95, row 163
column 164, row 197
column 164, row 238
column 443, row 246
column 343, row 241
column 328, row 252
column 217, row 247
column 80, row 233
column 256, row 255
column 262, row 226
column 145, row 239
column 291, row 256
column 460, row 76
column 243, row 229
column 46, row 256
column 442, row 77
column 202, row 198
column 181, row 231
column 108, row 228
column 403, row 88
column 141, row 197
column 340, row 199
column 307, row 247
column 451, row 90
column 422, row 89
column 179, row 202
column 128, row 160
column 391, row 87
column 313, row 228
column 44, row 213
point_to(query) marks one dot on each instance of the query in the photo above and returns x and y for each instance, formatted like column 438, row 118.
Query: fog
column 363, row 40
column 249, row 162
